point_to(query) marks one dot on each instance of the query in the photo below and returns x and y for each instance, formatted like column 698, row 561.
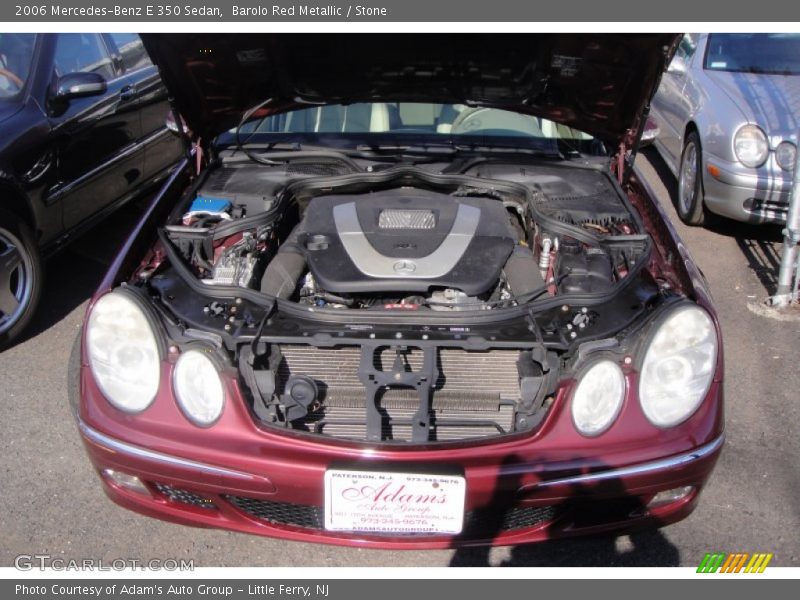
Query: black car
column 82, row 130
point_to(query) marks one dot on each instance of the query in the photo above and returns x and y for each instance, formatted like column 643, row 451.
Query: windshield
column 427, row 122
column 774, row 53
column 16, row 51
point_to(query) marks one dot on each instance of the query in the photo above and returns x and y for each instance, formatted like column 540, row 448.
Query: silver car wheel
column 16, row 281
column 688, row 178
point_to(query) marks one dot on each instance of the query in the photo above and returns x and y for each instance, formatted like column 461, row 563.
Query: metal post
column 788, row 274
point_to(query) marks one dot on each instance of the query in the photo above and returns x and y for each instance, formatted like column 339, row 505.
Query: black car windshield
column 405, row 122
column 773, row 53
column 16, row 51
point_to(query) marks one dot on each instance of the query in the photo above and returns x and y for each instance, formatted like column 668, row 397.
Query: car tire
column 691, row 207
column 20, row 277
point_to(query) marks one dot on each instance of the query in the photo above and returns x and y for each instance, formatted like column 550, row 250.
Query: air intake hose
column 285, row 269
column 522, row 272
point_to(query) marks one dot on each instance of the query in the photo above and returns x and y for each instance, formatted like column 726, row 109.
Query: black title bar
column 450, row 11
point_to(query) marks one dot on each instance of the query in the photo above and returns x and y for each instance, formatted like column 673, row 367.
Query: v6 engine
column 405, row 240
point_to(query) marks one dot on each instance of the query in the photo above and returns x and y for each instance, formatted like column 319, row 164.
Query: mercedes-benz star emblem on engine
column 404, row 267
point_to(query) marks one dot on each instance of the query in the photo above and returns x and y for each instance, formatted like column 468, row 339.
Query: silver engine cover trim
column 401, row 218
column 374, row 264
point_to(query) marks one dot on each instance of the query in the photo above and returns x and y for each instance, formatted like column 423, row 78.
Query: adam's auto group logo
column 742, row 562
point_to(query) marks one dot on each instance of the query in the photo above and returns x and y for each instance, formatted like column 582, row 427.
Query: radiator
column 475, row 395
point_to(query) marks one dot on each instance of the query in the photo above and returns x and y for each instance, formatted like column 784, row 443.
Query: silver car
column 728, row 114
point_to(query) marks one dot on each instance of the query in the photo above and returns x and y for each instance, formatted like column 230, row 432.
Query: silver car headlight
column 785, row 155
column 198, row 388
column 124, row 352
column 751, row 146
column 598, row 398
column 678, row 366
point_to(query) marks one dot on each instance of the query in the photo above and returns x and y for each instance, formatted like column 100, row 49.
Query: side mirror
column 677, row 66
column 79, row 85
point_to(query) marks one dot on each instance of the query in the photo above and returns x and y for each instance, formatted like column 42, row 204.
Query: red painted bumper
column 553, row 483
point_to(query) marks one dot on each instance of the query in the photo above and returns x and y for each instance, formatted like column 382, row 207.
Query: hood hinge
column 626, row 152
column 193, row 149
column 619, row 162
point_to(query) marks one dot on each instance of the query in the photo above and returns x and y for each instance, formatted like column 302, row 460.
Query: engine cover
column 406, row 240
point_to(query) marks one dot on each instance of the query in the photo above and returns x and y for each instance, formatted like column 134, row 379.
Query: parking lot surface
column 53, row 504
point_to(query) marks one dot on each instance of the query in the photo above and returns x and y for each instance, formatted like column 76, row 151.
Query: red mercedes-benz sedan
column 405, row 292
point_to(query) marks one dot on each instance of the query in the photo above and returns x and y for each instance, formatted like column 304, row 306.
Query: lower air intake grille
column 184, row 496
column 481, row 522
column 280, row 513
column 519, row 517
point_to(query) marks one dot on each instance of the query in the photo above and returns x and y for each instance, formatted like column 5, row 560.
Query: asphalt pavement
column 52, row 502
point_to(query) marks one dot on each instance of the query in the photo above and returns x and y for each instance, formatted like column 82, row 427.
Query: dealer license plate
column 393, row 502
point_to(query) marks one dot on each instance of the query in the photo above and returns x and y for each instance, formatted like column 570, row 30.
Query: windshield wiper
column 445, row 149
column 504, row 149
column 453, row 148
column 401, row 153
column 257, row 152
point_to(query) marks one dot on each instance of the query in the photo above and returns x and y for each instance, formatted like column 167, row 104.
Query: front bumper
column 272, row 484
column 749, row 195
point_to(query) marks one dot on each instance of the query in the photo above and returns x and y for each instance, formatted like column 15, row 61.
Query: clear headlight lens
column 678, row 367
column 123, row 352
column 785, row 155
column 198, row 388
column 751, row 146
column 598, row 398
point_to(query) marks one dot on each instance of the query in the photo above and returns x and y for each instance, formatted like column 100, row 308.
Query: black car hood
column 597, row 83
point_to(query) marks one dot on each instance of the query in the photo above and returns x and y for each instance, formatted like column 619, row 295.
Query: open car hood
column 597, row 83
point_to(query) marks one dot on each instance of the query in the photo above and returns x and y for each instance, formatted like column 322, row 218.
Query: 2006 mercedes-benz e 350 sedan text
column 412, row 295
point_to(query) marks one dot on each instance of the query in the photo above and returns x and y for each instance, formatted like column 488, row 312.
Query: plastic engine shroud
column 406, row 240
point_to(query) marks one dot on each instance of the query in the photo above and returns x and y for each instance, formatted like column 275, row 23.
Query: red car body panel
column 290, row 468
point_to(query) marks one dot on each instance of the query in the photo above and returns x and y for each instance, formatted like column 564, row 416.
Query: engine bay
column 319, row 236
column 400, row 303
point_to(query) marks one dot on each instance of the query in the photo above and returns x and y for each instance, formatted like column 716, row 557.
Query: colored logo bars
column 734, row 563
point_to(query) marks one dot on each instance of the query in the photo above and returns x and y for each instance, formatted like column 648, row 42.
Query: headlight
column 198, row 388
column 678, row 366
column 785, row 155
column 123, row 352
column 598, row 398
column 751, row 146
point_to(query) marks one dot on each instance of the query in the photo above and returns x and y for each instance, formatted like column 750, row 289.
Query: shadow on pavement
column 642, row 549
column 73, row 274
column 761, row 245
column 584, row 506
